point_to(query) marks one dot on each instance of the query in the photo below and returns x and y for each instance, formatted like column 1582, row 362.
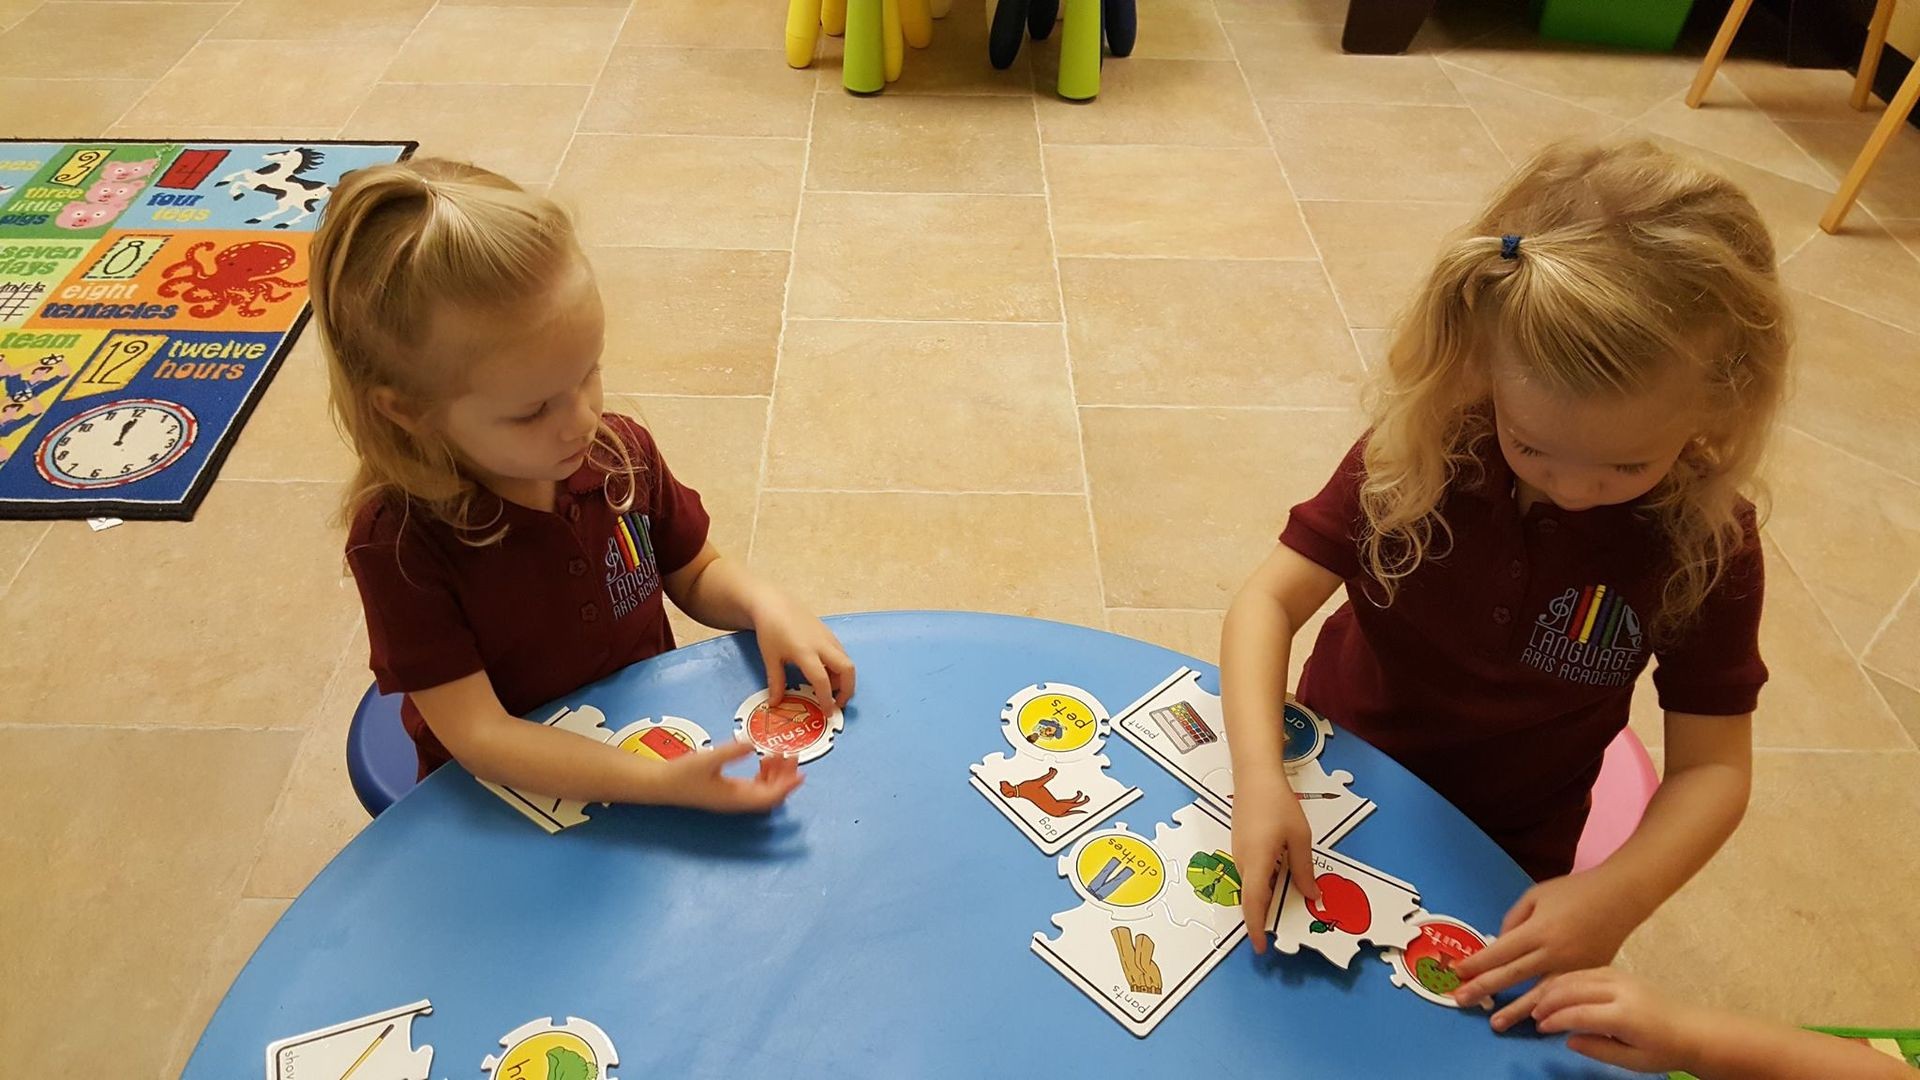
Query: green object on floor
column 863, row 60
column 1080, row 50
column 1631, row 24
column 1904, row 1045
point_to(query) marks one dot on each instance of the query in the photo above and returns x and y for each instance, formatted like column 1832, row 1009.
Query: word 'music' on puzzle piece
column 800, row 726
column 1054, row 786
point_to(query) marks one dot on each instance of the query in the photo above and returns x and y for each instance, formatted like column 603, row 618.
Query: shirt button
column 589, row 612
column 1502, row 615
column 1515, row 569
column 573, row 512
column 576, row 567
column 1548, row 525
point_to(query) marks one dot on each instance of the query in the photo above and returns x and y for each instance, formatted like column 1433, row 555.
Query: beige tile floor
column 1117, row 340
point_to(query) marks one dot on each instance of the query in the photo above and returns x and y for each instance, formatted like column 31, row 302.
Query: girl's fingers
column 1518, row 1009
column 1500, row 978
column 841, row 666
column 816, row 676
column 1505, row 950
column 1573, row 988
column 1518, row 913
column 1599, row 1017
column 1602, row 1049
column 730, row 751
column 1256, row 894
column 1300, row 865
column 776, row 677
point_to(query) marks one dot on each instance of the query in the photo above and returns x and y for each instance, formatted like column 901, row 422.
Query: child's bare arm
column 1255, row 644
column 724, row 594
column 1619, row 1020
column 494, row 745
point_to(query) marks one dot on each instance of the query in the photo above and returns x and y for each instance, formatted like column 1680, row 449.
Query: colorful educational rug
column 148, row 291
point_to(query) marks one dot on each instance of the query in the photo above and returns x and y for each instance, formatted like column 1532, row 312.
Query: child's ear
column 395, row 407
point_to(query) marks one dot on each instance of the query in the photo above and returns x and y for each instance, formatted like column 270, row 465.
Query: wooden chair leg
column 1870, row 56
column 1883, row 132
column 1718, row 53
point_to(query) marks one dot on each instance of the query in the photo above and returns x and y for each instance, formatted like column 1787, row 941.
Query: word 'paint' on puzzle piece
column 1205, row 889
column 543, row 1050
column 800, row 727
column 1135, row 969
column 1357, row 903
column 1055, row 721
column 1118, row 871
column 550, row 813
column 1426, row 965
column 376, row 1047
column 1053, row 802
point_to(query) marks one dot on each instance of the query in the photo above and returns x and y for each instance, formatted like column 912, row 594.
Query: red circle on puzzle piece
column 1443, row 944
column 787, row 728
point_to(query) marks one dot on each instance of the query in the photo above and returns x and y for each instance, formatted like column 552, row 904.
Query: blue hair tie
column 1510, row 246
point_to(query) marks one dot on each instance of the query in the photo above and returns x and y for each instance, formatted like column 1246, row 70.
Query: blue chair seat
column 380, row 759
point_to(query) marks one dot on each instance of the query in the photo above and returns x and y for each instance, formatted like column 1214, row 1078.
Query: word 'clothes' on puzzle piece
column 1205, row 885
column 1183, row 728
column 1055, row 721
column 1426, row 965
column 1136, row 969
column 543, row 1050
column 1332, row 809
column 1117, row 870
column 376, row 1047
column 1357, row 903
column 546, row 811
column 800, row 727
column 1053, row 802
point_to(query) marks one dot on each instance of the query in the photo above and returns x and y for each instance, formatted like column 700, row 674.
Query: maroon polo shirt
column 1502, row 669
column 564, row 599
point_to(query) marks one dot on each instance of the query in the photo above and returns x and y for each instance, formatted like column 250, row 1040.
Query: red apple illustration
column 1342, row 906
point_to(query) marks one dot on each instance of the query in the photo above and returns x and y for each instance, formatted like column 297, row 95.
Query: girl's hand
column 1563, row 924
column 788, row 635
column 1621, row 1021
column 696, row 780
column 1269, row 830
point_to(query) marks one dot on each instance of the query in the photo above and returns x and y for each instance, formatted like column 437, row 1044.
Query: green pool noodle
column 863, row 70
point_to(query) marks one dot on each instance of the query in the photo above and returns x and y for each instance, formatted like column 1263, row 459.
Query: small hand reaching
column 696, row 780
column 1269, row 830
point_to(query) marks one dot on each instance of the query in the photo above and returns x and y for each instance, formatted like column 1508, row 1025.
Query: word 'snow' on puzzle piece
column 1053, row 787
column 543, row 1050
column 550, row 813
column 800, row 727
column 1121, row 946
column 149, row 290
column 376, row 1047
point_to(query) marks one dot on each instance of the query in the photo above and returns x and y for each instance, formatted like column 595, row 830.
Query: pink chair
column 1620, row 797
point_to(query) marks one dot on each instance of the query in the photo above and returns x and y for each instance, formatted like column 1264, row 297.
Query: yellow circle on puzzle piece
column 527, row 1059
column 1108, row 856
column 1076, row 723
column 636, row 743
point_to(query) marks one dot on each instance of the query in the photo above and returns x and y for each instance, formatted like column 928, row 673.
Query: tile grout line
column 1856, row 458
column 1859, row 662
column 1066, row 347
column 32, row 550
column 181, row 59
column 1299, row 210
column 593, row 88
column 780, row 339
column 1479, row 119
column 1863, row 314
column 1773, row 122
column 1893, row 614
column 381, row 78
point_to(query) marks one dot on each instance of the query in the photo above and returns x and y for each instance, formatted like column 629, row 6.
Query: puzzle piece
column 1055, row 721
column 546, row 811
column 1357, row 903
column 1117, row 870
column 1205, row 889
column 800, row 727
column 1053, row 802
column 664, row 739
column 1425, row 966
column 543, row 1050
column 1181, row 727
column 376, row 1047
column 1307, row 733
column 1135, row 969
column 1332, row 809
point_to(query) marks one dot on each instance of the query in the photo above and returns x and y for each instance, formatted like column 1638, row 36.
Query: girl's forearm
column 722, row 594
column 1736, row 1047
column 1692, row 813
column 551, row 761
column 1255, row 645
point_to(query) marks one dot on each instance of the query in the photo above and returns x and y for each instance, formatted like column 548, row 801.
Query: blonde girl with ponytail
column 511, row 540
column 1552, row 493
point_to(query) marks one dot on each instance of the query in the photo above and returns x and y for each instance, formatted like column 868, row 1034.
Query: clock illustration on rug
column 116, row 443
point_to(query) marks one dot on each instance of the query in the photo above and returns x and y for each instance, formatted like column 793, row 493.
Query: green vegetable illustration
column 1436, row 975
column 564, row 1064
column 1214, row 878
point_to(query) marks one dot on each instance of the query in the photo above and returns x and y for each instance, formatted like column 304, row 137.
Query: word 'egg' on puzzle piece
column 800, row 726
column 1055, row 721
column 1053, row 803
column 1425, row 965
column 1357, row 903
column 546, row 811
column 375, row 1046
column 543, row 1050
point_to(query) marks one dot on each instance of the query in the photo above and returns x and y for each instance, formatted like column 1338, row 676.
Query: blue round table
column 877, row 925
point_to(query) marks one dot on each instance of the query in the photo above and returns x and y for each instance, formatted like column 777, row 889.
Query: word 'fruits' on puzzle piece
column 800, row 727
column 664, row 739
column 1138, row 969
column 543, row 1050
column 1053, row 803
column 1425, row 965
column 1205, row 889
column 1055, row 721
column 546, row 811
column 376, row 1047
column 1357, row 903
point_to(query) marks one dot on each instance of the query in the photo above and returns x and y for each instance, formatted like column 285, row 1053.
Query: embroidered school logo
column 632, row 575
column 1588, row 635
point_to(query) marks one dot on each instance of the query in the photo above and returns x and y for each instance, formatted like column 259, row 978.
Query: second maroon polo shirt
column 1503, row 668
column 564, row 599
